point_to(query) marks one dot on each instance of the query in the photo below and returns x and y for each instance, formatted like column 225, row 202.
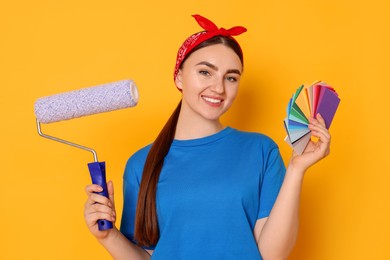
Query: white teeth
column 212, row 100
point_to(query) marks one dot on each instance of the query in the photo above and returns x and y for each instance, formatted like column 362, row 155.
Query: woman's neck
column 193, row 128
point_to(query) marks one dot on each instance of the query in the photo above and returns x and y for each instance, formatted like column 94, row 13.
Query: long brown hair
column 146, row 223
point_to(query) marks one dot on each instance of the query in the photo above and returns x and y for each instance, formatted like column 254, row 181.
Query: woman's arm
column 276, row 235
column 99, row 207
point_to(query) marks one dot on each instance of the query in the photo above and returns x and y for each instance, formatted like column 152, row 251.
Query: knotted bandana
column 210, row 30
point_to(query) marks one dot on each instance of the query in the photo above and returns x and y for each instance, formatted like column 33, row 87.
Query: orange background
column 50, row 47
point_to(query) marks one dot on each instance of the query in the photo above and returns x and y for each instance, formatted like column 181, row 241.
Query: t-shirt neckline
column 203, row 140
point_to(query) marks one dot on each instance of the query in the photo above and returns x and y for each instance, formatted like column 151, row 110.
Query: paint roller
column 83, row 102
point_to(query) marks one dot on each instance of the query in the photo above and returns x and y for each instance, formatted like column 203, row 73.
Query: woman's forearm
column 279, row 233
column 120, row 247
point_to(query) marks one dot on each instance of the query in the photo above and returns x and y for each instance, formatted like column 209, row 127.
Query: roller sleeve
column 87, row 101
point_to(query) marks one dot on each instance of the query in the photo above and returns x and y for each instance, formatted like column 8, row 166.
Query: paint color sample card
column 307, row 102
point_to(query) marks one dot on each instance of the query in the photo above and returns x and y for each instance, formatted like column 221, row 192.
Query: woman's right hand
column 99, row 207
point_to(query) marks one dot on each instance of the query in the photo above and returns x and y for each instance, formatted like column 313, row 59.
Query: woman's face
column 209, row 81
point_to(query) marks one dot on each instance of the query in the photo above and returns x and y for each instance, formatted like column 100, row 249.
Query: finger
column 320, row 119
column 110, row 189
column 319, row 129
column 101, row 209
column 94, row 198
column 92, row 218
column 323, row 137
column 93, row 188
column 324, row 142
column 315, row 122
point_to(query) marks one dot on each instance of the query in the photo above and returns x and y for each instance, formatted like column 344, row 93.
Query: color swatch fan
column 308, row 102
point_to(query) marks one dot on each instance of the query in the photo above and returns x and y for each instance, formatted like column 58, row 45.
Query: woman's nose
column 218, row 85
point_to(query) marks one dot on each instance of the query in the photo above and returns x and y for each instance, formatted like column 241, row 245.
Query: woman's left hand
column 314, row 151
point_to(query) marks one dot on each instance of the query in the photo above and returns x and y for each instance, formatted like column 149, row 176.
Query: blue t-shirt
column 210, row 193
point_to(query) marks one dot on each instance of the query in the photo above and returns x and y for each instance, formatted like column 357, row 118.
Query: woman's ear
column 178, row 80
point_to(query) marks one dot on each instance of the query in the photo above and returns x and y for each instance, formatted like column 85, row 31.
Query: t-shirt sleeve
column 130, row 197
column 272, row 179
column 131, row 183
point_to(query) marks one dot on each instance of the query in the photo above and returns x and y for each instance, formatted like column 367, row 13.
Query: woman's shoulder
column 136, row 161
column 141, row 154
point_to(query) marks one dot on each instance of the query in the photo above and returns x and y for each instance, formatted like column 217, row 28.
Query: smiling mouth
column 212, row 100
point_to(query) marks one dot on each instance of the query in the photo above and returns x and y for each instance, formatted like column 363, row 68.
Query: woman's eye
column 204, row 72
column 232, row 79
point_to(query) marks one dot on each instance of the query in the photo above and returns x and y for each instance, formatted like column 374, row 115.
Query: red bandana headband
column 210, row 30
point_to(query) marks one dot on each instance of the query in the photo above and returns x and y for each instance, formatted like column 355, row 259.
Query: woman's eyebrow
column 234, row 71
column 212, row 66
column 208, row 64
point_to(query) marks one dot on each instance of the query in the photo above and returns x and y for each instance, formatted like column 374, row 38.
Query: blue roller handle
column 98, row 176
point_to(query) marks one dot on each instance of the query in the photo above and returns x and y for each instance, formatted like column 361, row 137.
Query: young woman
column 203, row 190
